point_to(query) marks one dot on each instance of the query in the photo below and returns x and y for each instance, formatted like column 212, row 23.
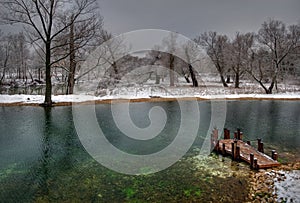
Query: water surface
column 42, row 159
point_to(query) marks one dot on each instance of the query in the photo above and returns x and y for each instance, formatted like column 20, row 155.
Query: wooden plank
column 263, row 161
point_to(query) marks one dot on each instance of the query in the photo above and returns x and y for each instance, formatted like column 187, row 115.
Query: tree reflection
column 46, row 153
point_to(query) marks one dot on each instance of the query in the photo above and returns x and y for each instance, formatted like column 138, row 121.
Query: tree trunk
column 157, row 78
column 186, row 77
column 4, row 70
column 116, row 71
column 48, row 93
column 228, row 79
column 237, row 80
column 71, row 77
column 193, row 76
column 270, row 89
column 31, row 77
column 3, row 76
column 219, row 68
column 223, row 80
column 171, row 72
column 39, row 74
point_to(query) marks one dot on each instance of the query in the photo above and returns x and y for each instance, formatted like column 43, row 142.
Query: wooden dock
column 243, row 151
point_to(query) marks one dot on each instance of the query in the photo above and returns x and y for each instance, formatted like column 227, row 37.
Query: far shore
column 90, row 100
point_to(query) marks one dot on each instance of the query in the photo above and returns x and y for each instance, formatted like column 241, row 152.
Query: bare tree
column 84, row 35
column 238, row 55
column 155, row 55
column 46, row 21
column 278, row 43
column 14, row 57
column 260, row 67
column 216, row 46
column 5, row 53
column 112, row 51
column 113, row 48
column 191, row 54
column 169, row 61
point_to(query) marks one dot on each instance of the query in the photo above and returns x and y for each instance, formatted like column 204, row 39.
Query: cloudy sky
column 192, row 17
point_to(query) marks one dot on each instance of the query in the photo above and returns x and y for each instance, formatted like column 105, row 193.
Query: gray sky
column 192, row 17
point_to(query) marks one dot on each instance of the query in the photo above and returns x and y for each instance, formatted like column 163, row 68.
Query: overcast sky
column 192, row 17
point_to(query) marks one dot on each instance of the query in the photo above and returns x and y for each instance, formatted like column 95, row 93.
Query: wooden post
column 237, row 154
column 251, row 160
column 232, row 150
column 262, row 147
column 234, row 154
column 272, row 156
column 258, row 144
column 226, row 134
column 275, row 156
column 238, row 133
column 249, row 143
column 255, row 163
column 223, row 149
column 214, row 139
column 241, row 136
column 217, row 146
column 235, row 135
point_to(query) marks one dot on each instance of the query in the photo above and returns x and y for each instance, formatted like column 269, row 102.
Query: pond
column 42, row 158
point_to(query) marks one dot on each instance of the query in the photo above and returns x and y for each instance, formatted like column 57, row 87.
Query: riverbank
column 66, row 100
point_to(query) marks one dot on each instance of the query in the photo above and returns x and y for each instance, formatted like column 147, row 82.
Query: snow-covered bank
column 254, row 96
column 38, row 99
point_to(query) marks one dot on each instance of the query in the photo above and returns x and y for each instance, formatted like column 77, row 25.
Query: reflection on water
column 41, row 158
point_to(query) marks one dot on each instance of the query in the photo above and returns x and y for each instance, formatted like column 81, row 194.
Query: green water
column 42, row 159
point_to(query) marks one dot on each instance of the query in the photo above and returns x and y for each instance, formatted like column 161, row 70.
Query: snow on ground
column 209, row 88
column 38, row 99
